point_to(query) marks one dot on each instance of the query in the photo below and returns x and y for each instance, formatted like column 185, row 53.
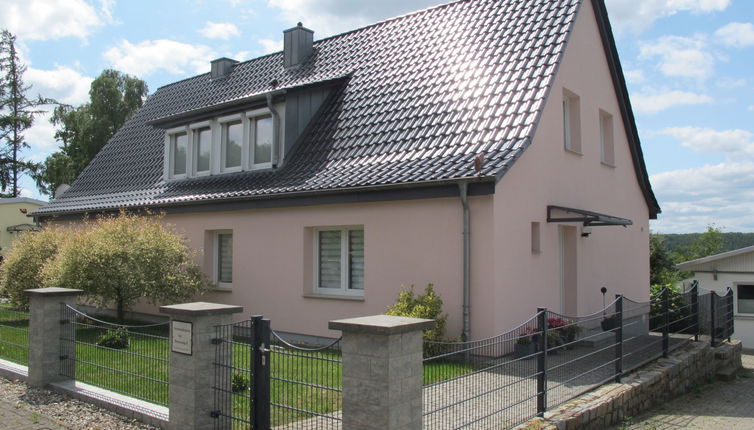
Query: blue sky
column 689, row 66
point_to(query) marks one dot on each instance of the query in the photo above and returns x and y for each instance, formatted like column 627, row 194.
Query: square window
column 745, row 299
column 202, row 149
column 607, row 148
column 223, row 270
column 179, row 154
column 571, row 122
column 232, row 141
column 339, row 261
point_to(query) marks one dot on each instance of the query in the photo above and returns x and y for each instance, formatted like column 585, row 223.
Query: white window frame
column 170, row 154
column 250, row 137
column 223, row 122
column 571, row 122
column 344, row 289
column 216, row 260
column 735, row 298
column 194, row 144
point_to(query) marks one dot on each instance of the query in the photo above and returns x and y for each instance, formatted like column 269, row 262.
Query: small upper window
column 232, row 141
column 745, row 299
column 179, row 151
column 607, row 148
column 535, row 238
column 340, row 261
column 571, row 122
column 223, row 259
column 202, row 149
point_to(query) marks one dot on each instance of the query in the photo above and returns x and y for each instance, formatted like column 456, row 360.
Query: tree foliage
column 662, row 269
column 17, row 113
column 662, row 260
column 113, row 98
column 118, row 260
column 23, row 266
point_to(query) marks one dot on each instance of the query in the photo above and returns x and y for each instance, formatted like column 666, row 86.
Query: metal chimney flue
column 297, row 45
column 222, row 67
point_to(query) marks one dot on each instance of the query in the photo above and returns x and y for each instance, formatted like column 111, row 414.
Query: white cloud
column 735, row 144
column 730, row 83
column 150, row 56
column 51, row 19
column 751, row 108
column 270, row 45
column 634, row 76
column 680, row 56
column 638, row 15
column 63, row 84
column 41, row 137
column 650, row 104
column 693, row 198
column 327, row 17
column 736, row 34
column 219, row 30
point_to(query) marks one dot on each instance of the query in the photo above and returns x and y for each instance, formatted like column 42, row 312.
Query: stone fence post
column 382, row 372
column 45, row 330
column 192, row 354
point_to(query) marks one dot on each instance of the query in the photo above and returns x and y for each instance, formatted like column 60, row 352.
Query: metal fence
column 127, row 359
column 552, row 358
column 14, row 335
column 262, row 380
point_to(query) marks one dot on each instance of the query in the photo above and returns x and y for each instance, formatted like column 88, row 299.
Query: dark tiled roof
column 426, row 93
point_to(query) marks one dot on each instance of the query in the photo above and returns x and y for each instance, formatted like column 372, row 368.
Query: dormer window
column 202, row 149
column 179, row 154
column 233, row 143
column 260, row 135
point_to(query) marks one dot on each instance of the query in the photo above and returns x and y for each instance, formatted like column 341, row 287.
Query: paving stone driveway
column 719, row 405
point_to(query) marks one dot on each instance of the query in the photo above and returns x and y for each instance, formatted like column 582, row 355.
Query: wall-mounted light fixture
column 586, row 231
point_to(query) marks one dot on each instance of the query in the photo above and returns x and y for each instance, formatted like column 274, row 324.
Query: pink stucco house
column 438, row 147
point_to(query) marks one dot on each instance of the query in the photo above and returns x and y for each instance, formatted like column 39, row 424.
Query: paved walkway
column 719, row 405
column 18, row 417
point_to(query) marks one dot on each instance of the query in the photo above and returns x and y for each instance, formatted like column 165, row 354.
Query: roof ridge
column 395, row 18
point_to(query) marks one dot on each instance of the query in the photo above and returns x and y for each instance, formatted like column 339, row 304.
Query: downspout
column 463, row 187
column 275, row 133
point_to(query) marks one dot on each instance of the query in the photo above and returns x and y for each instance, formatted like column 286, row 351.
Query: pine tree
column 17, row 113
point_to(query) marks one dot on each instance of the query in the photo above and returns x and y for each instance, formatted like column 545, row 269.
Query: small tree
column 24, row 263
column 427, row 305
column 117, row 260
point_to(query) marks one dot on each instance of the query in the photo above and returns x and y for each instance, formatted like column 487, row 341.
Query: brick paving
column 715, row 406
column 19, row 417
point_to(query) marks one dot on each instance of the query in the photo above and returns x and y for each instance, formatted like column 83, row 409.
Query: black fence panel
column 127, row 359
column 14, row 334
column 488, row 383
column 305, row 384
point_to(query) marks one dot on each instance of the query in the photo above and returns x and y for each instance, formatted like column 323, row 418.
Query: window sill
column 334, row 297
column 606, row 164
column 573, row 151
column 744, row 316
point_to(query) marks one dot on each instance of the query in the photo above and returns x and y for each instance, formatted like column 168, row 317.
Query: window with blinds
column 340, row 261
column 224, row 259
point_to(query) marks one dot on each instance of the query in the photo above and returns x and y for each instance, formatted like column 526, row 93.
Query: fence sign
column 181, row 339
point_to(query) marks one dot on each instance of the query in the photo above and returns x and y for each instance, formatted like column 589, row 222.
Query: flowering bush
column 527, row 336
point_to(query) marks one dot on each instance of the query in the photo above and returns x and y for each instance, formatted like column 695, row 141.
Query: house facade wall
column 612, row 256
column 743, row 325
column 411, row 242
column 10, row 214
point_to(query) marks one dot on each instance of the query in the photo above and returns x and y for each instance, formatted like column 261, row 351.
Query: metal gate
column 263, row 380
column 241, row 384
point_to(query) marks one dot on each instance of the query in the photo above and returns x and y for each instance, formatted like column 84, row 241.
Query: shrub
column 118, row 260
column 678, row 313
column 239, row 383
column 427, row 305
column 115, row 339
column 24, row 264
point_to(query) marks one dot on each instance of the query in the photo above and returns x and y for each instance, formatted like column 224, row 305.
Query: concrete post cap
column 381, row 324
column 53, row 291
column 200, row 308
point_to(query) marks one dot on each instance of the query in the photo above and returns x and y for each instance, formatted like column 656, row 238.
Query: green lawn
column 141, row 370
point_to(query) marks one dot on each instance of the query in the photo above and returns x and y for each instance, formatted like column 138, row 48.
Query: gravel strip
column 69, row 413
